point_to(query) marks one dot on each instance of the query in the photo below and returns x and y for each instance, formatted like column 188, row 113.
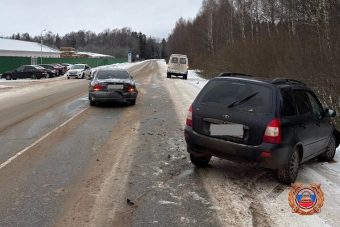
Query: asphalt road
column 63, row 163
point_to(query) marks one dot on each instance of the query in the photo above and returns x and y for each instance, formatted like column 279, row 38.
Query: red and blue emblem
column 306, row 200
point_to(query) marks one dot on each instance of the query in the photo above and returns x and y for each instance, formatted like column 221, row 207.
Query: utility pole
column 41, row 44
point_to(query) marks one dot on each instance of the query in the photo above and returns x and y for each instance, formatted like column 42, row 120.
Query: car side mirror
column 330, row 113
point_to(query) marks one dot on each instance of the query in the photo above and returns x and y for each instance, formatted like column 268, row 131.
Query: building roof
column 93, row 55
column 18, row 45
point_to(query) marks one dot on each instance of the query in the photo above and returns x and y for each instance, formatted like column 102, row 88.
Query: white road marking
column 39, row 140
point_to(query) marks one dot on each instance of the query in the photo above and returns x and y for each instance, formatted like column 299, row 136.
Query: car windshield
column 112, row 74
column 78, row 67
column 238, row 96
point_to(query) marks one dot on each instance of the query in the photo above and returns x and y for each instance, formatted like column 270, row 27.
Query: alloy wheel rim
column 293, row 164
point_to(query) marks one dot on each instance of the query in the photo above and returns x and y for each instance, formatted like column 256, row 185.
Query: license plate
column 235, row 130
column 115, row 87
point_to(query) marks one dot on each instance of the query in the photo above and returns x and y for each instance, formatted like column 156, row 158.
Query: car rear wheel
column 8, row 77
column 133, row 102
column 288, row 173
column 200, row 161
column 168, row 75
column 185, row 77
column 330, row 152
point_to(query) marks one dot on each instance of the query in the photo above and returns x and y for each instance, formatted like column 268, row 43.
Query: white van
column 178, row 66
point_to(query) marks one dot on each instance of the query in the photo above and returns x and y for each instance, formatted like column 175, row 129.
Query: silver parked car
column 112, row 85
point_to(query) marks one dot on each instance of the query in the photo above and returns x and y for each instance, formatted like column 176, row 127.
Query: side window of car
column 27, row 69
column 288, row 107
column 316, row 106
column 302, row 103
column 20, row 69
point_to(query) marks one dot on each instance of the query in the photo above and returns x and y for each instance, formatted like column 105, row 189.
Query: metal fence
column 10, row 63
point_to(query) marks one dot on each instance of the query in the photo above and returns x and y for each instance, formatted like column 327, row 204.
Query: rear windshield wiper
column 238, row 102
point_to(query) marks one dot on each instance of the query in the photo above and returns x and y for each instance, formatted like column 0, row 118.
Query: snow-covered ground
column 240, row 189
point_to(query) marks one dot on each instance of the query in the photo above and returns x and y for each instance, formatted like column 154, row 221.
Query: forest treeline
column 297, row 39
column 115, row 42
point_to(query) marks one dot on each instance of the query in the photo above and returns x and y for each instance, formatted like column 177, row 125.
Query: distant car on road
column 26, row 71
column 178, row 66
column 79, row 71
column 279, row 123
column 112, row 85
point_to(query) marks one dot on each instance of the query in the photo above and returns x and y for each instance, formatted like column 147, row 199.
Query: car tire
column 83, row 76
column 8, row 77
column 33, row 77
column 133, row 102
column 68, row 77
column 200, row 161
column 185, row 76
column 328, row 155
column 168, row 75
column 92, row 103
column 288, row 173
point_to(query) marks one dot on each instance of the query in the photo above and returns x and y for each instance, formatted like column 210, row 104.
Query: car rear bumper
column 75, row 76
column 102, row 96
column 204, row 145
column 176, row 73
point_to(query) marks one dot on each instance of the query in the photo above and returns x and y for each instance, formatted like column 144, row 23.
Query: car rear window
column 239, row 96
column 112, row 74
column 183, row 61
column 174, row 60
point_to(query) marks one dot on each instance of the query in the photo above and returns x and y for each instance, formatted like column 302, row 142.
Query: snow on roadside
column 195, row 80
column 5, row 86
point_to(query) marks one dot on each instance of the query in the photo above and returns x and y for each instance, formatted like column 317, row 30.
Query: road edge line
column 4, row 164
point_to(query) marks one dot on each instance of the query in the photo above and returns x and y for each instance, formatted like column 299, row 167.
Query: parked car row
column 48, row 71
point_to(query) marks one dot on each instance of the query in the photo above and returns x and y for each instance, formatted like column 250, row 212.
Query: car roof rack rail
column 231, row 74
column 287, row 81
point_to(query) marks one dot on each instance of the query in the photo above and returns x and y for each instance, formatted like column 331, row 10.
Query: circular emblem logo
column 306, row 200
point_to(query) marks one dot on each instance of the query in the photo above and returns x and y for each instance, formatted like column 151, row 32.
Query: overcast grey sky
column 152, row 17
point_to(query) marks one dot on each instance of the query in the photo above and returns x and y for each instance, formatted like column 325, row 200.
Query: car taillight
column 273, row 133
column 97, row 87
column 189, row 117
column 131, row 89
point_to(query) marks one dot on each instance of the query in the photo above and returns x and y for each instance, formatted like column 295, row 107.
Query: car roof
column 112, row 69
column 277, row 82
column 178, row 55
